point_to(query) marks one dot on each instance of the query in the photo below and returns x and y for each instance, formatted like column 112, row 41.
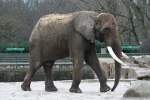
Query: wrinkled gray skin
column 57, row 36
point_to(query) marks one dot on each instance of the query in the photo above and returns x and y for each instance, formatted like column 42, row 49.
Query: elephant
column 73, row 35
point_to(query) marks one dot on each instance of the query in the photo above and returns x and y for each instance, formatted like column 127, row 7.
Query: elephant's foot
column 25, row 87
column 75, row 90
column 104, row 88
column 49, row 86
column 75, row 87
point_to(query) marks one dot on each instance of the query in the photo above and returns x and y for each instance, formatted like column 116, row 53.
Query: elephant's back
column 55, row 28
column 56, row 17
column 55, row 20
column 55, row 25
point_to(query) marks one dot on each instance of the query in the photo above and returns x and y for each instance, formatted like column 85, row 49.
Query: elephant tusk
column 124, row 55
column 111, row 52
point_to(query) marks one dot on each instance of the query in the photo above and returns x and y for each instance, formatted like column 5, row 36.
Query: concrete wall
column 61, row 71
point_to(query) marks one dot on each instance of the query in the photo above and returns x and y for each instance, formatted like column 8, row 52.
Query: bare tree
column 133, row 18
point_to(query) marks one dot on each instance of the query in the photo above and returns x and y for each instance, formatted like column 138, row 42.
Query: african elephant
column 57, row 36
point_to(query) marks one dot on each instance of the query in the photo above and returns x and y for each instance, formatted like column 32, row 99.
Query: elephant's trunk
column 118, row 71
column 117, row 75
column 114, row 48
column 115, row 52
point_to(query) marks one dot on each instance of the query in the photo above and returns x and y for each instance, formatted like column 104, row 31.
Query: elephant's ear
column 84, row 25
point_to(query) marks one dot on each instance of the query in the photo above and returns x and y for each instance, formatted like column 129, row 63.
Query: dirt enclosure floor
column 90, row 89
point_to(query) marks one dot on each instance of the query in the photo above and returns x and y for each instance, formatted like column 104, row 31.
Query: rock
column 142, row 61
column 139, row 89
column 142, row 73
column 140, row 65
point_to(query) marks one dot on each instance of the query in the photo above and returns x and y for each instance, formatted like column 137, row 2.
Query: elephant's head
column 106, row 31
column 103, row 27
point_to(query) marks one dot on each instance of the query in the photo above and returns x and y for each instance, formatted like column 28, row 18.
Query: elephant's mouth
column 99, row 35
column 111, row 52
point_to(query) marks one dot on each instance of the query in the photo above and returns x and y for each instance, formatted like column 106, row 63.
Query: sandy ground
column 90, row 89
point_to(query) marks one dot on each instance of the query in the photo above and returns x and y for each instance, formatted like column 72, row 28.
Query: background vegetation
column 17, row 17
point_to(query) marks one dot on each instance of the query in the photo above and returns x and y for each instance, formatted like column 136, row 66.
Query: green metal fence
column 24, row 57
column 130, row 48
column 99, row 46
column 14, row 50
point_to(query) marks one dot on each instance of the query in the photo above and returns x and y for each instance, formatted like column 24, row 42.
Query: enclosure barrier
column 24, row 57
column 13, row 67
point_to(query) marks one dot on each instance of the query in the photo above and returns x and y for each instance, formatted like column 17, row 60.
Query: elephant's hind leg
column 49, row 85
column 34, row 66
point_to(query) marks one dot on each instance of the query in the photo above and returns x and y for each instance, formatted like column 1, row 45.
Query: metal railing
column 13, row 66
column 23, row 58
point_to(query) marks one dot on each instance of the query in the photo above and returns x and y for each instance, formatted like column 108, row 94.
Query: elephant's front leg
column 92, row 60
column 77, row 65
